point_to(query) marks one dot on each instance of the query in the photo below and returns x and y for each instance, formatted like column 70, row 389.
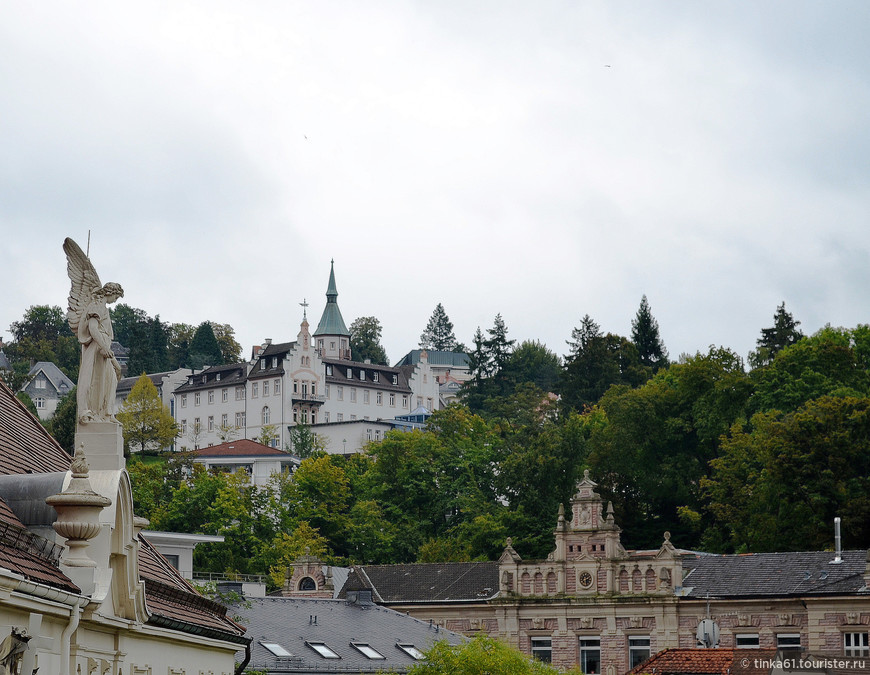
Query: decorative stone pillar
column 78, row 510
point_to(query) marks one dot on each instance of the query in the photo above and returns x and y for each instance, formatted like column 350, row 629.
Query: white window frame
column 275, row 649
column 225, row 395
column 197, row 398
column 411, row 651
column 639, row 651
column 788, row 641
column 210, row 396
column 542, row 648
column 276, row 389
column 255, row 389
column 367, row 650
column 856, row 643
column 746, row 641
column 323, row 649
column 590, row 646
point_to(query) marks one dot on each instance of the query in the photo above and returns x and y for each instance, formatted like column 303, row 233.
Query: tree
column 268, row 434
column 204, row 348
column 645, row 336
column 231, row 350
column 365, row 340
column 304, row 443
column 582, row 336
column 438, row 334
column 600, row 362
column 480, row 656
column 227, row 433
column 532, row 362
column 43, row 334
column 147, row 422
column 783, row 333
column 180, row 337
column 41, row 322
column 24, row 397
column 124, row 320
column 62, row 424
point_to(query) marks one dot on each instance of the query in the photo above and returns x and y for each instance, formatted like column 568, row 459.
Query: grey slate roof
column 54, row 375
column 292, row 622
column 230, row 374
column 774, row 574
column 426, row 582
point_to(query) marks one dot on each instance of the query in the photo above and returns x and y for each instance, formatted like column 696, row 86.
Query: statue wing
column 85, row 282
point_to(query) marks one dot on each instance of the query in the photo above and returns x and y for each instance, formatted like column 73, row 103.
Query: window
column 277, row 387
column 211, row 422
column 362, row 374
column 313, row 417
column 353, row 394
column 419, row 401
column 411, row 651
column 332, row 346
column 322, row 649
column 340, row 391
column 367, row 650
column 856, row 644
column 240, row 420
column 376, row 376
column 395, row 379
column 313, row 389
column 40, row 383
column 305, row 416
column 267, row 415
column 349, row 373
column 225, row 420
column 788, row 641
column 307, row 584
column 197, row 397
column 184, row 400
column 365, row 395
column 255, row 389
column 590, row 655
column 328, row 369
column 380, row 398
column 266, row 388
column 638, row 649
column 405, row 401
column 276, row 649
column 326, row 390
column 353, row 417
column 368, row 434
column 320, row 346
column 211, row 397
column 183, row 426
column 542, row 649
column 217, row 378
column 326, row 417
column 746, row 641
column 39, row 402
column 225, row 395
column 392, row 399
column 240, row 393
column 295, row 386
column 340, row 417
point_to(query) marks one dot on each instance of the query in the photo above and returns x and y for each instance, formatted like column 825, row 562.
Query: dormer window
column 375, row 376
column 362, row 374
column 217, row 377
column 349, row 374
column 395, row 379
column 328, row 369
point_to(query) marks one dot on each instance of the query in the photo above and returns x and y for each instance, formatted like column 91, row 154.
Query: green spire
column 331, row 322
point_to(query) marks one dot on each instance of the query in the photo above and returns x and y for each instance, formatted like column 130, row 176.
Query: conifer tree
column 582, row 336
column 439, row 332
column 645, row 336
column 204, row 348
column 783, row 333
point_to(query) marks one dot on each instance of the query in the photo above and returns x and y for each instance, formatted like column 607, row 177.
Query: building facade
column 312, row 381
column 594, row 604
column 47, row 385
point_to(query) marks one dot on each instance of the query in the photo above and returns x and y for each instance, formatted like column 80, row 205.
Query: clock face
column 585, row 579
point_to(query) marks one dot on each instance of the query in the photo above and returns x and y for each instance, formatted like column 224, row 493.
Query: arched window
column 266, row 414
column 307, row 584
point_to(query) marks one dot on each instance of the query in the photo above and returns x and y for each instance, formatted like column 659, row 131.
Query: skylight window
column 367, row 650
column 411, row 650
column 323, row 650
column 276, row 649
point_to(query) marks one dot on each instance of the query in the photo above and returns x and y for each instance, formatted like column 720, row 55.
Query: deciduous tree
column 365, row 340
column 148, row 425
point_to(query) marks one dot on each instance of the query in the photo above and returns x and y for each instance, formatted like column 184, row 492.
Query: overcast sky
column 538, row 159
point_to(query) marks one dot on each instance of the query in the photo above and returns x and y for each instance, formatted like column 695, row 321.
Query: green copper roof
column 331, row 322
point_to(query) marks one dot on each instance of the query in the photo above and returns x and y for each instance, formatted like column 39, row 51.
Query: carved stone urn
column 78, row 510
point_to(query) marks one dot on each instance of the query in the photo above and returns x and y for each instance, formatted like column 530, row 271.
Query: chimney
column 838, row 548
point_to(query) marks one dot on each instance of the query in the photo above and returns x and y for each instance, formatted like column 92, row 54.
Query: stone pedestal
column 103, row 443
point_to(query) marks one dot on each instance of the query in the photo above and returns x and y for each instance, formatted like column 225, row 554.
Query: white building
column 255, row 459
column 311, row 381
column 47, row 385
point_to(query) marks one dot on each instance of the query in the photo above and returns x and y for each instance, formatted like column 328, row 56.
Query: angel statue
column 89, row 319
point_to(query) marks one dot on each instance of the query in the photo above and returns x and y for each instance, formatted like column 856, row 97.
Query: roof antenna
column 838, row 548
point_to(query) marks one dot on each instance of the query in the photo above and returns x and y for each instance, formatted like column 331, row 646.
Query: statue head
column 110, row 292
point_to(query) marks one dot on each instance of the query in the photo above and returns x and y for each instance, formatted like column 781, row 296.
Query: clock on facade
column 585, row 579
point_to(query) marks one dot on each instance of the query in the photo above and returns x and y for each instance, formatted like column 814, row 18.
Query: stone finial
column 78, row 510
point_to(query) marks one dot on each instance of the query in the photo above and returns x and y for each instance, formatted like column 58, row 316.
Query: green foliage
column 531, row 362
column 204, row 348
column 480, row 656
column 231, row 350
column 781, row 480
column 24, row 397
column 488, row 361
column 645, row 336
column 783, row 333
column 43, row 334
column 365, row 340
column 148, row 424
column 438, row 334
column 268, row 434
column 62, row 424
column 303, row 442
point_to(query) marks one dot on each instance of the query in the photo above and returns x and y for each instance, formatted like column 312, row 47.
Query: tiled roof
column 704, row 662
column 28, row 554
column 174, row 602
column 774, row 574
column 427, row 582
column 294, row 622
column 25, row 445
column 241, row 448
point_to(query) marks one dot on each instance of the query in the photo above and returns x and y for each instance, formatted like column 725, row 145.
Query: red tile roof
column 173, row 601
column 719, row 661
column 240, row 448
column 25, row 445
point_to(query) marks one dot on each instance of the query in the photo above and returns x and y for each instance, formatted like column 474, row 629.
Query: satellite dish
column 708, row 633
